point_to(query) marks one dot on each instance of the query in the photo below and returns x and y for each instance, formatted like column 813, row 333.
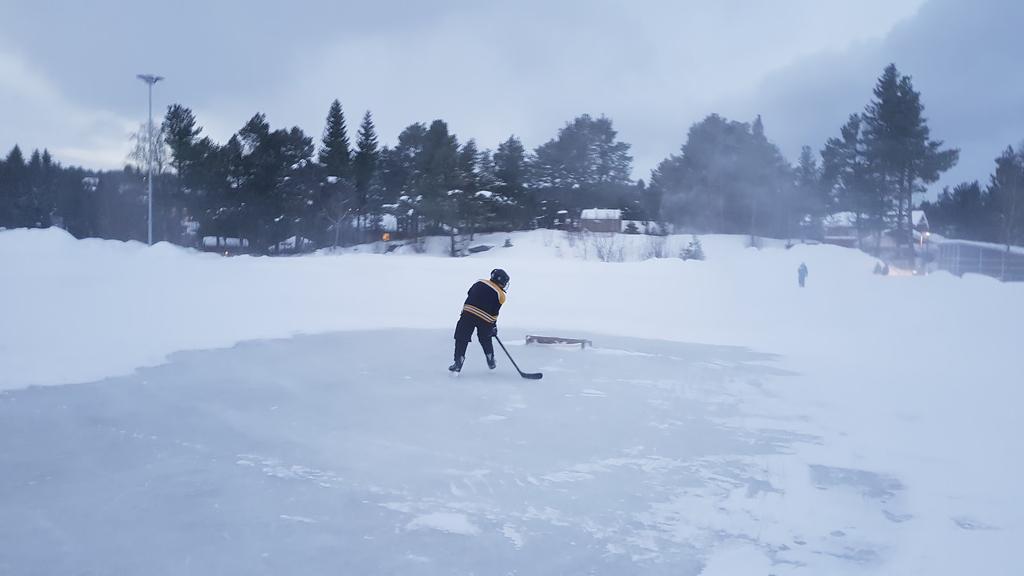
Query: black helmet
column 499, row 277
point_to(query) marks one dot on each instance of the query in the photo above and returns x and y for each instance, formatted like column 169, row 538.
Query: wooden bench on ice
column 531, row 339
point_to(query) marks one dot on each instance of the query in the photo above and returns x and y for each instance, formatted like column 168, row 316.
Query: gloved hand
column 494, row 331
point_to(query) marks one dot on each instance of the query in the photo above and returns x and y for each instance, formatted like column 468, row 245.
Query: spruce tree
column 963, row 212
column 811, row 201
column 469, row 206
column 693, row 250
column 585, row 153
column 728, row 178
column 849, row 180
column 1006, row 196
column 438, row 172
column 897, row 141
column 180, row 133
column 364, row 169
column 15, row 190
column 335, row 155
column 766, row 186
column 337, row 199
column 510, row 182
column 469, row 157
column 270, row 177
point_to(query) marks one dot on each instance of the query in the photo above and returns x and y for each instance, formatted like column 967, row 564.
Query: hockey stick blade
column 527, row 375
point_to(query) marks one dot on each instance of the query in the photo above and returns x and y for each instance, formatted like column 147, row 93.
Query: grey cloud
column 526, row 67
column 963, row 56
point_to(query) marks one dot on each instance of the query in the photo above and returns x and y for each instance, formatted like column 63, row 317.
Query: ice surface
column 321, row 454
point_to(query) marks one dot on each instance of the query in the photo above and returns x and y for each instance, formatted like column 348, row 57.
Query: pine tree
column 511, row 181
column 1006, row 196
column 757, row 130
column 694, row 250
column 963, row 212
column 767, row 186
column 338, row 198
column 584, row 153
column 335, row 156
column 364, row 169
column 897, row 142
column 41, row 201
column 811, row 202
column 849, row 180
column 469, row 157
column 584, row 164
column 728, row 177
column 469, row 205
column 180, row 132
column 14, row 191
column 510, row 169
column 199, row 167
column 399, row 169
column 485, row 170
column 438, row 172
column 271, row 181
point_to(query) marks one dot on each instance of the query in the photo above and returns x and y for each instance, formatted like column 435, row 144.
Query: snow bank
column 79, row 310
column 587, row 246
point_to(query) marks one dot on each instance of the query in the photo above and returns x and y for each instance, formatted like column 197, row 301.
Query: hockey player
column 480, row 313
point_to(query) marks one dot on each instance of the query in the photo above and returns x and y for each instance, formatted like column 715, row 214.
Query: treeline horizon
column 266, row 184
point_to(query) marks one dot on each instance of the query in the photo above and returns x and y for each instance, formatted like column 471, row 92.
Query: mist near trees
column 269, row 183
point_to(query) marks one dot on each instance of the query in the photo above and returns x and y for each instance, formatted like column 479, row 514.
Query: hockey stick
column 527, row 375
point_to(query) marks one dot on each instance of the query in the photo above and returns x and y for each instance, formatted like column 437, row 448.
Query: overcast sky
column 491, row 69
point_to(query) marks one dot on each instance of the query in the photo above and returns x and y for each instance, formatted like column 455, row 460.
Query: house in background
column 225, row 245
column 561, row 221
column 293, row 245
column 920, row 220
column 601, row 220
column 647, row 227
column 840, row 229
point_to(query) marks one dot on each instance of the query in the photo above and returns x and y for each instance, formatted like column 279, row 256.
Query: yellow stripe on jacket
column 479, row 313
column 501, row 293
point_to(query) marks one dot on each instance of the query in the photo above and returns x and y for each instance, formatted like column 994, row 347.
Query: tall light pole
column 150, row 79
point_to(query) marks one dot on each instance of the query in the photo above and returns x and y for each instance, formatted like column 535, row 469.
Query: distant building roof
column 601, row 214
column 840, row 219
column 919, row 218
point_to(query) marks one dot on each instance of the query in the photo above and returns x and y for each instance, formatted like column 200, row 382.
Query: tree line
column 266, row 184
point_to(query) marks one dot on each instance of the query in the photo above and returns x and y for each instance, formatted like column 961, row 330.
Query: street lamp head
column 149, row 78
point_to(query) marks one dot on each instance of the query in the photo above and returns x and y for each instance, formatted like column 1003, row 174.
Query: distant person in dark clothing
column 480, row 313
column 801, row 274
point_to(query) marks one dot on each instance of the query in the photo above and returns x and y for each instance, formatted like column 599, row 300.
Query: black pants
column 464, row 333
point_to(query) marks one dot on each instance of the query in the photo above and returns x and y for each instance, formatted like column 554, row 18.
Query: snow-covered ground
column 726, row 422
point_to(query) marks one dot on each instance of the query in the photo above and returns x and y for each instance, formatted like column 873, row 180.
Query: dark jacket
column 484, row 300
